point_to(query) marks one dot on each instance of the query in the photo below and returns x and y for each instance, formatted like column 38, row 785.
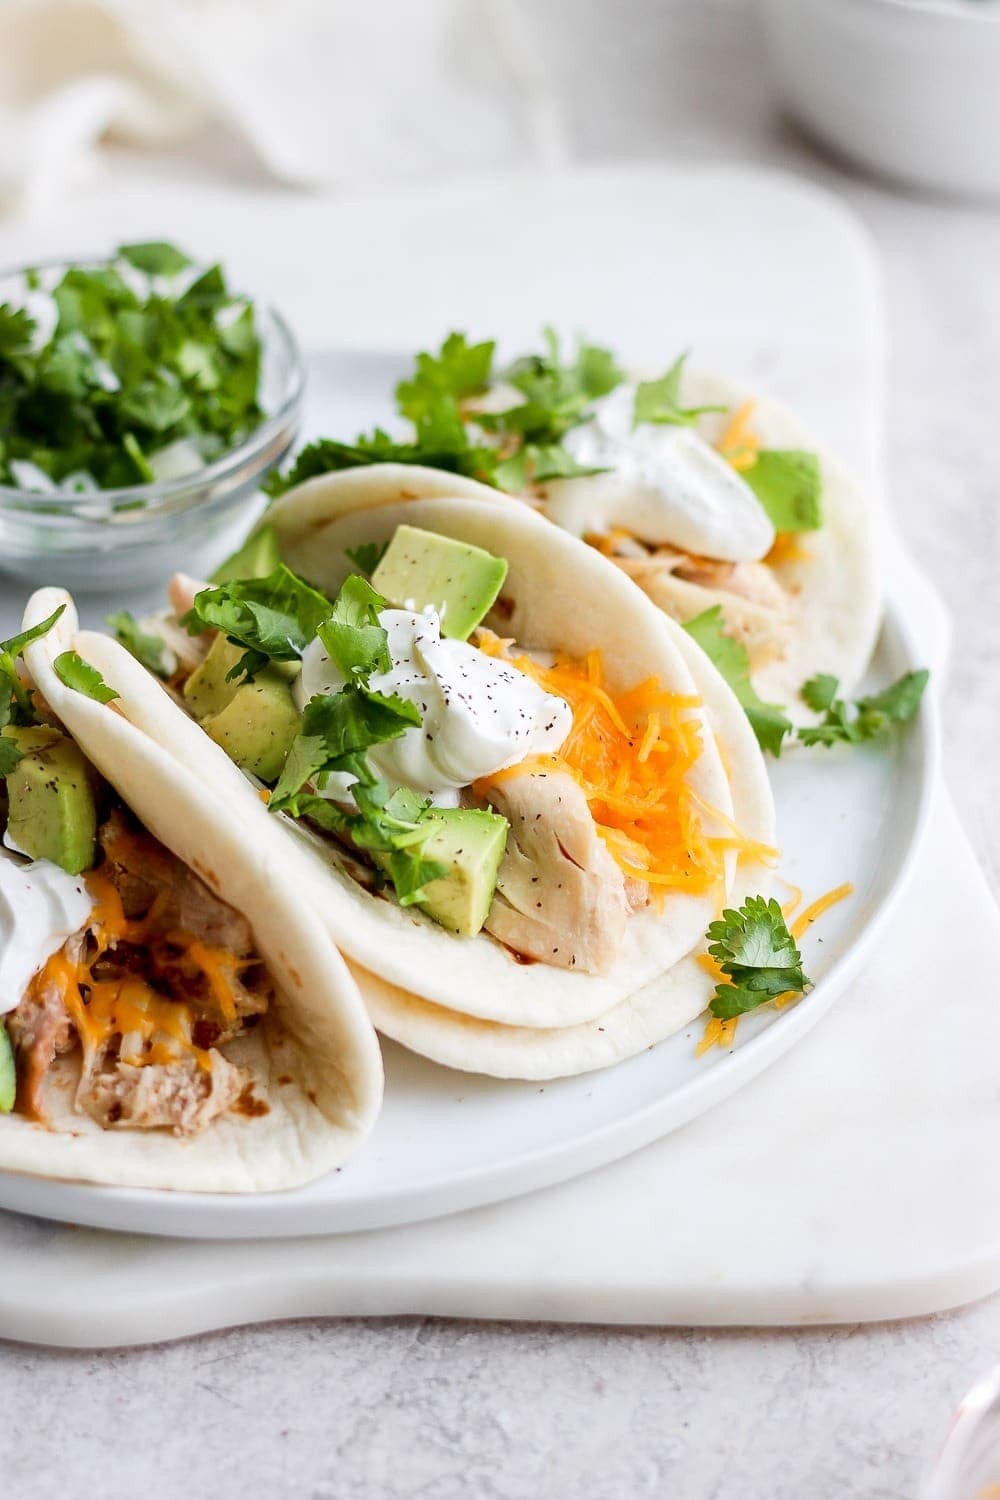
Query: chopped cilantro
column 660, row 400
column 458, row 370
column 147, row 649
column 789, row 485
column 79, row 675
column 757, row 953
column 16, row 705
column 338, row 729
column 730, row 658
column 870, row 717
column 274, row 617
column 129, row 368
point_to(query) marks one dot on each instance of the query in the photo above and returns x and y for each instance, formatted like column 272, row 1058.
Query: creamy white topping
column 40, row 907
column 665, row 485
column 479, row 714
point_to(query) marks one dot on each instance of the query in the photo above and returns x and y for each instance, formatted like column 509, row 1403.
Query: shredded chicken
column 179, row 1096
column 183, row 974
column 560, row 896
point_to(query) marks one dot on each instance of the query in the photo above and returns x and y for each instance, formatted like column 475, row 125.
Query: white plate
column 448, row 1141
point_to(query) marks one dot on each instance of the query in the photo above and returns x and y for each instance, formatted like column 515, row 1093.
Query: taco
column 707, row 494
column 484, row 745
column 173, row 1015
column 732, row 507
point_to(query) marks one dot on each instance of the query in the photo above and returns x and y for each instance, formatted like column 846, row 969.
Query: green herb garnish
column 660, row 400
column 367, row 555
column 138, row 360
column 755, row 950
column 844, row 724
column 730, row 658
column 338, row 730
column 16, row 706
column 149, row 650
column 273, row 618
column 75, row 673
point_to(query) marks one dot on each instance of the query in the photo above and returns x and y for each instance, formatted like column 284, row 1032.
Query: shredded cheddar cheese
column 738, row 445
column 153, row 1027
column 631, row 754
column 818, row 907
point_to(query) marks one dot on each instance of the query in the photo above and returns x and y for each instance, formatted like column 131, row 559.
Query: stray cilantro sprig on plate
column 118, row 362
column 842, row 723
column 755, row 950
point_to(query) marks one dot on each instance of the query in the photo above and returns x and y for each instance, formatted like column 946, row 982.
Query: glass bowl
column 119, row 540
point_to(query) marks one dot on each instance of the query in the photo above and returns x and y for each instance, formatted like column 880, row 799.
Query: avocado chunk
column 258, row 723
column 207, row 690
column 51, row 810
column 471, row 843
column 258, row 556
column 8, row 1073
column 459, row 580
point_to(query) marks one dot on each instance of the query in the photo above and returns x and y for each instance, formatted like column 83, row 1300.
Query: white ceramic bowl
column 910, row 88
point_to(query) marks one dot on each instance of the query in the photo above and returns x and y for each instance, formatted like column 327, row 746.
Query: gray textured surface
column 408, row 1408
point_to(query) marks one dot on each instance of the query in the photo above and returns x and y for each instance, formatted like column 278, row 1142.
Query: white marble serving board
column 840, row 1186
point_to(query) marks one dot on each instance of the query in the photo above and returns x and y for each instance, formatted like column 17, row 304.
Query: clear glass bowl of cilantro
column 142, row 403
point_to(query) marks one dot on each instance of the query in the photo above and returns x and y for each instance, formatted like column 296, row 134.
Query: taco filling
column 116, row 955
column 495, row 789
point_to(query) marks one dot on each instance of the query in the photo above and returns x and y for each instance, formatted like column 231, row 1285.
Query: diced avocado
column 258, row 557
column 51, row 811
column 471, row 843
column 8, row 1073
column 257, row 725
column 207, row 690
column 459, row 580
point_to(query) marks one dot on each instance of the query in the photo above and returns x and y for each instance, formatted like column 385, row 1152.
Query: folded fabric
column 323, row 91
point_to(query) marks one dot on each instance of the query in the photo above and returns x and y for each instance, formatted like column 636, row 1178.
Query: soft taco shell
column 653, row 1013
column 314, row 1058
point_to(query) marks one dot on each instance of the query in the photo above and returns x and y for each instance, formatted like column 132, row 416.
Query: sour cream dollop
column 665, row 485
column 479, row 714
column 40, row 907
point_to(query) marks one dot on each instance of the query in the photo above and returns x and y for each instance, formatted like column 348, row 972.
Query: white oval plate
column 448, row 1141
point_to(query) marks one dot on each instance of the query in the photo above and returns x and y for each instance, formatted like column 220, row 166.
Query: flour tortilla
column 659, row 1009
column 834, row 588
column 314, row 1057
column 560, row 594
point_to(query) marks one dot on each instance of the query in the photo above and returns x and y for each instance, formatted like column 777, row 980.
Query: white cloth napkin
column 341, row 92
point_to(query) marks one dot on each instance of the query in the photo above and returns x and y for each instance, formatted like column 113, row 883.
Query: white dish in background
column 910, row 88
column 448, row 1141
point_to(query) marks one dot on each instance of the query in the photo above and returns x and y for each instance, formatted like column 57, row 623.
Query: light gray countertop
column 422, row 1408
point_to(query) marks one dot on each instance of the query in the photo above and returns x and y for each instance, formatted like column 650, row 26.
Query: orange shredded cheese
column 818, row 907
column 631, row 754
column 787, row 548
column 129, row 1006
column 738, row 445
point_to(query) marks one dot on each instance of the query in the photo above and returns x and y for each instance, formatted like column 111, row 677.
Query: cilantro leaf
column 366, row 556
column 457, row 455
column 147, row 649
column 755, row 950
column 896, row 704
column 274, row 617
column 789, row 485
column 15, row 699
column 79, row 675
column 155, row 257
column 768, row 720
column 458, row 370
column 10, row 754
column 355, row 641
column 660, row 400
